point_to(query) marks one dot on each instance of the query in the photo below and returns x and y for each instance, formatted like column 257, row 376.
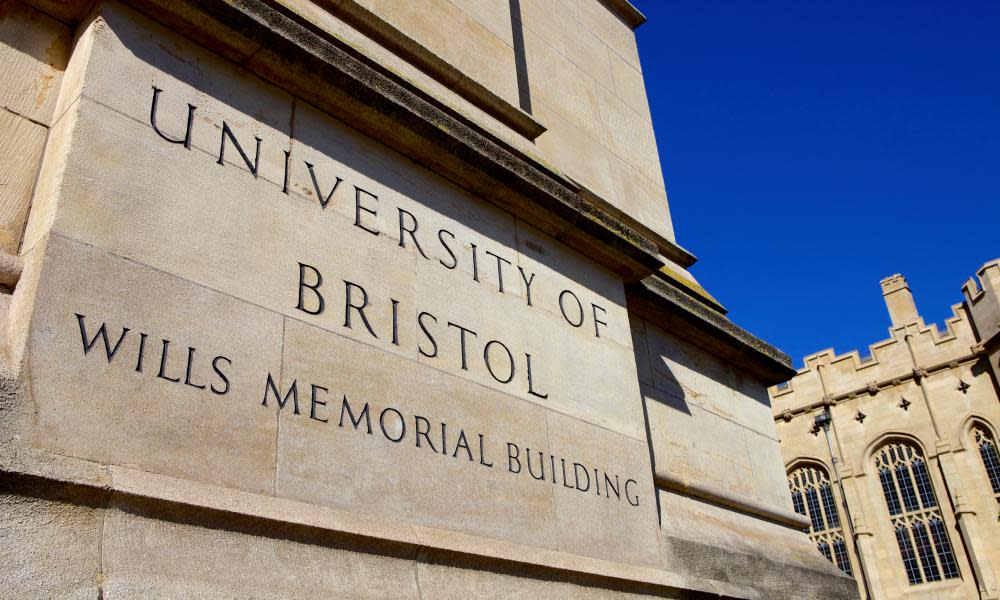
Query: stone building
column 364, row 299
column 907, row 435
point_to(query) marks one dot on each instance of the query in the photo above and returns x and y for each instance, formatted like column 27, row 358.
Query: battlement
column 982, row 295
column 913, row 346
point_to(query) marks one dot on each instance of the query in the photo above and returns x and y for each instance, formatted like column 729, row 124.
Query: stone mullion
column 968, row 525
column 862, row 551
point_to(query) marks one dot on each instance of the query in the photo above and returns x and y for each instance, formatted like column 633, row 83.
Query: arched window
column 812, row 497
column 916, row 519
column 988, row 451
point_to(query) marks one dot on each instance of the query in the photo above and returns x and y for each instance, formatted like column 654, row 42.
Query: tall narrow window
column 812, row 497
column 988, row 451
column 916, row 519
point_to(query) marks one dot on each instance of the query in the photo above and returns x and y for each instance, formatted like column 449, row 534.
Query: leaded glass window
column 916, row 519
column 812, row 497
column 988, row 451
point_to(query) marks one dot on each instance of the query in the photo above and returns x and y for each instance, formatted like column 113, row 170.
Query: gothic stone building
column 905, row 495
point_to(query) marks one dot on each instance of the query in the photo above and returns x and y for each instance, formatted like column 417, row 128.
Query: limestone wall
column 286, row 320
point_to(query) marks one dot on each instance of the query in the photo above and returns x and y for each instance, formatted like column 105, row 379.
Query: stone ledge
column 666, row 306
column 352, row 87
column 723, row 498
column 626, row 11
column 215, row 506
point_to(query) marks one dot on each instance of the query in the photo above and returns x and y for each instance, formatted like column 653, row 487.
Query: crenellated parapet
column 912, row 349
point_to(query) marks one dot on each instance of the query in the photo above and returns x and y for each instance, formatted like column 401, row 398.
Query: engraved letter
column 321, row 304
column 293, row 392
column 103, row 332
column 227, row 132
column 323, row 200
column 222, row 376
column 152, row 121
column 423, row 327
column 579, row 307
column 348, row 305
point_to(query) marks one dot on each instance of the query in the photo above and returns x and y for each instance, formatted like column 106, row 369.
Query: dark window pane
column 906, row 488
column 906, row 552
column 840, row 552
column 825, row 549
column 924, row 484
column 797, row 503
column 889, row 489
column 943, row 547
column 832, row 518
column 814, row 513
column 988, row 451
column 931, row 571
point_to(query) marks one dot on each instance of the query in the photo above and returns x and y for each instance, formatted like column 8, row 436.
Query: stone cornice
column 626, row 11
column 679, row 313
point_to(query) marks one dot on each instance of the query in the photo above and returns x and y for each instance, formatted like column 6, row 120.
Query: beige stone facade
column 912, row 449
column 364, row 299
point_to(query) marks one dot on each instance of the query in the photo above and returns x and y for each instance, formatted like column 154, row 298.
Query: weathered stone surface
column 565, row 87
column 612, row 30
column 453, row 35
column 97, row 404
column 775, row 561
column 21, row 143
column 33, row 53
column 629, row 85
column 560, row 27
column 629, row 135
column 162, row 556
column 50, row 545
column 449, row 483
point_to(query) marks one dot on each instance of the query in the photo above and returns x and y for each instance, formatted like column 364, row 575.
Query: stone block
column 629, row 135
column 128, row 55
column 447, row 582
column 492, row 15
column 642, row 362
column 696, row 446
column 447, row 31
column 560, row 27
column 629, row 85
column 575, row 152
column 33, row 53
column 337, row 464
column 169, row 556
column 611, row 30
column 769, row 478
column 640, row 197
column 599, row 522
column 156, row 396
column 51, row 545
column 696, row 378
column 21, row 144
column 562, row 85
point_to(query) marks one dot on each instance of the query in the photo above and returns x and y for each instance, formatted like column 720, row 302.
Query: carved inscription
column 319, row 291
column 150, row 356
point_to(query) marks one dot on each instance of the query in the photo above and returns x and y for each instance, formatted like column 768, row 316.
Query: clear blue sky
column 812, row 148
